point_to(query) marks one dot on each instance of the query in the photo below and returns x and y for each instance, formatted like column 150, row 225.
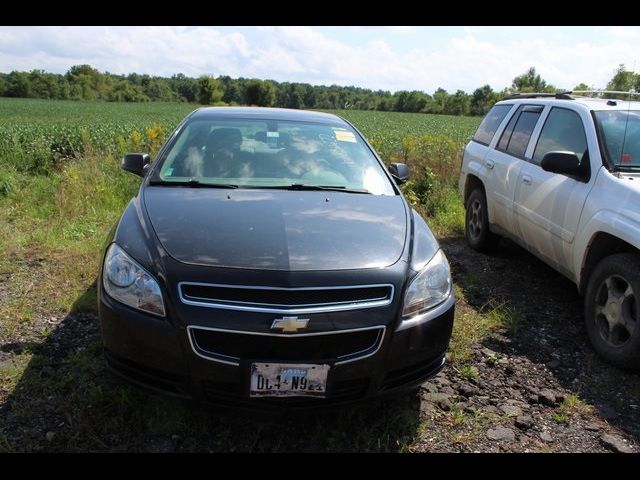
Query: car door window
column 515, row 137
column 562, row 131
column 490, row 124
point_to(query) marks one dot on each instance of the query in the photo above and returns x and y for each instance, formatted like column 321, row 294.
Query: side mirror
column 400, row 172
column 566, row 163
column 137, row 163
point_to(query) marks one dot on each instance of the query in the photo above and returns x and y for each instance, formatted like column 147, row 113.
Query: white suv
column 560, row 175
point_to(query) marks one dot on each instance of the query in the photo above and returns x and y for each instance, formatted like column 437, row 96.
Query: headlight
column 429, row 288
column 127, row 282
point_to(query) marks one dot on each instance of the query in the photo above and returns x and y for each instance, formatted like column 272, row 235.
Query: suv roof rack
column 558, row 95
column 609, row 92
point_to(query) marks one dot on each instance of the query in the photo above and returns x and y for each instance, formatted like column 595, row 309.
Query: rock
column 50, row 436
column 533, row 398
column 553, row 363
column 448, row 390
column 546, row 437
column 429, row 387
column 439, row 399
column 509, row 370
column 547, row 397
column 491, row 409
column 511, row 410
column 592, row 427
column 501, row 433
column 487, row 352
column 468, row 390
column 524, row 422
column 615, row 443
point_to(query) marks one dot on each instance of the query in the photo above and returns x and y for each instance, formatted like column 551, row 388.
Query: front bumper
column 157, row 354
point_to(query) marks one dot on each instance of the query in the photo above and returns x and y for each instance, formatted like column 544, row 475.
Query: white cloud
column 310, row 54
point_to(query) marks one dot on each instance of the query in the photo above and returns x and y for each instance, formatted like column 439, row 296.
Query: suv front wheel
column 476, row 229
column 612, row 309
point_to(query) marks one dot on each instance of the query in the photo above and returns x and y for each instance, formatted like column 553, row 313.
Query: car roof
column 212, row 113
column 590, row 103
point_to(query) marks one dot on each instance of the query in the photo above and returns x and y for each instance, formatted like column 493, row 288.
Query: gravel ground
column 537, row 388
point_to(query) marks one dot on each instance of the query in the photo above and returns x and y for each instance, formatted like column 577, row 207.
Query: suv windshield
column 261, row 153
column 620, row 130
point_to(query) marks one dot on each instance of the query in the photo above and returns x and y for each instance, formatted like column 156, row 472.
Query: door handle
column 526, row 179
column 489, row 164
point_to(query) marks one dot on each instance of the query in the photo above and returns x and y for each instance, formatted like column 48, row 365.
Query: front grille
column 291, row 300
column 341, row 346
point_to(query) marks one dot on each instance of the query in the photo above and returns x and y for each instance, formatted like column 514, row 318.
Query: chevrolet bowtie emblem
column 289, row 324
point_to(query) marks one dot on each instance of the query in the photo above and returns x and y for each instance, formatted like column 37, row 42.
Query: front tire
column 477, row 232
column 612, row 309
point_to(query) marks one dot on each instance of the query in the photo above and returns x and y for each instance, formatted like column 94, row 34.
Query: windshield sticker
column 345, row 136
column 169, row 171
column 273, row 134
column 625, row 158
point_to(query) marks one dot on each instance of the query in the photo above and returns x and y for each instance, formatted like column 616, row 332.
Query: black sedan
column 270, row 260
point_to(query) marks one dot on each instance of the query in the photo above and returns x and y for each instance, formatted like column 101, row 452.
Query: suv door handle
column 526, row 179
column 489, row 164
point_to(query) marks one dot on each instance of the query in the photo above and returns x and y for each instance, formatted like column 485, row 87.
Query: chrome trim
column 429, row 314
column 234, row 360
column 295, row 309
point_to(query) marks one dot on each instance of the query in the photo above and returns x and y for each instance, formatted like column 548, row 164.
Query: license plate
column 288, row 380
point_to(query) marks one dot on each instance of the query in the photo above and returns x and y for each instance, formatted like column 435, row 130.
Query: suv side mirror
column 137, row 163
column 566, row 163
column 399, row 172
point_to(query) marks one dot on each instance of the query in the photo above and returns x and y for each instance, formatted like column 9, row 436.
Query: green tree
column 581, row 86
column 186, row 88
column 439, row 103
column 622, row 80
column 530, row 81
column 482, row 100
column 209, row 90
column 260, row 92
column 18, row 85
column 125, row 91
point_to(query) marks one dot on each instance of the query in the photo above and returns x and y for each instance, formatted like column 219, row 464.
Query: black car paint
column 278, row 229
column 170, row 237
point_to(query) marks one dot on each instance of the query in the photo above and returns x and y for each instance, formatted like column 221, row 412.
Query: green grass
column 471, row 326
column 469, row 372
column 571, row 407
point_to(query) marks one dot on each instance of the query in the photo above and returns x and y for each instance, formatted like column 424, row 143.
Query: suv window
column 515, row 138
column 490, row 124
column 563, row 130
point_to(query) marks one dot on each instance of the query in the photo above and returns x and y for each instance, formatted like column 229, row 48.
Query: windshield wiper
column 304, row 186
column 192, row 182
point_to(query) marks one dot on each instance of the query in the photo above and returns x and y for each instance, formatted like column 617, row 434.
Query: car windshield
column 251, row 153
column 620, row 130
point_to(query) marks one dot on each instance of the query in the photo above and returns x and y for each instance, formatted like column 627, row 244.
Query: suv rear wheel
column 612, row 309
column 476, row 229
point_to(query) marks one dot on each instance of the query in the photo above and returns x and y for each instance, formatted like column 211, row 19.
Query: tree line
column 83, row 82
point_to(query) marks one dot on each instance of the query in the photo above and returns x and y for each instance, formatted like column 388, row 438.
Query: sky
column 387, row 58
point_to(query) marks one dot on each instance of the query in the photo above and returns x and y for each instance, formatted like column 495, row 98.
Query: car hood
column 278, row 229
